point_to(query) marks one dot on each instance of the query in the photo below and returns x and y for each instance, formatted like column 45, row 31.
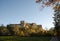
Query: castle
column 25, row 25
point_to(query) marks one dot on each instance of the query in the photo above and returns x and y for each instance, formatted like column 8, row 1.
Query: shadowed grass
column 17, row 38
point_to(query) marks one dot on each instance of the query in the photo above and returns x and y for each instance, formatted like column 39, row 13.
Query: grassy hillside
column 17, row 38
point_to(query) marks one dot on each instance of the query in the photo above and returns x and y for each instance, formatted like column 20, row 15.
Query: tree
column 13, row 29
column 57, row 18
column 56, row 6
column 47, row 2
column 57, row 15
column 3, row 30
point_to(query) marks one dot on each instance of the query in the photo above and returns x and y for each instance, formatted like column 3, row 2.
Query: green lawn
column 17, row 38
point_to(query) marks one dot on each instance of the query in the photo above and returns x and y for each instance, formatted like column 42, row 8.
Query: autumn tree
column 56, row 6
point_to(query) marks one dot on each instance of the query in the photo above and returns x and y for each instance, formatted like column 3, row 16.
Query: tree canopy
column 48, row 2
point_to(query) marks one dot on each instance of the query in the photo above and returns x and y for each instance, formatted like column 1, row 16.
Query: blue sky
column 13, row 11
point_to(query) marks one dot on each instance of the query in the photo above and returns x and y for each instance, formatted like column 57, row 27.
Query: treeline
column 30, row 30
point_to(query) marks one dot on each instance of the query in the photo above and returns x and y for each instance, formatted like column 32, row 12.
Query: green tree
column 57, row 19
column 3, row 30
column 14, row 29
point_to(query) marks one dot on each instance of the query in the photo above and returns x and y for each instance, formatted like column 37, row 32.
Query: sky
column 14, row 11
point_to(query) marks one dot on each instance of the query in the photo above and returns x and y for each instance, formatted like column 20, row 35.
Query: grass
column 17, row 38
column 59, row 38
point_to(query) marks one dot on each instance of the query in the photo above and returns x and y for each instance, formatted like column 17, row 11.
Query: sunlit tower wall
column 23, row 23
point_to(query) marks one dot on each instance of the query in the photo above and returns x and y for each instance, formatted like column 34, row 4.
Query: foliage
column 56, row 6
column 47, row 2
column 27, row 30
